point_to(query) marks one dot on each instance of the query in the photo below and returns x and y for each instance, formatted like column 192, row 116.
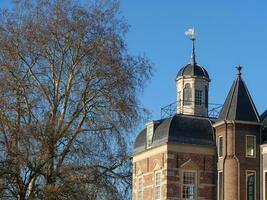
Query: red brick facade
column 171, row 164
column 234, row 163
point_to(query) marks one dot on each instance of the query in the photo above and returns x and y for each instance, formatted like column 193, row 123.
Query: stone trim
column 181, row 148
column 236, row 122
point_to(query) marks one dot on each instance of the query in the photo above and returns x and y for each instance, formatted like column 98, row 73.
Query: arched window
column 187, row 95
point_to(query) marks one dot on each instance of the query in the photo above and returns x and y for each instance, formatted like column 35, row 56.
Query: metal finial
column 191, row 32
column 193, row 54
column 239, row 68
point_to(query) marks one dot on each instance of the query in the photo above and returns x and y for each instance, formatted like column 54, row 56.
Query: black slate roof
column 180, row 129
column 238, row 104
column 193, row 70
column 263, row 116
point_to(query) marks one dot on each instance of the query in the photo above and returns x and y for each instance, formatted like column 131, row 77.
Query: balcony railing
column 176, row 107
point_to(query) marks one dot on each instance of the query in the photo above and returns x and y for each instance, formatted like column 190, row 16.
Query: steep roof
column 263, row 116
column 179, row 129
column 239, row 104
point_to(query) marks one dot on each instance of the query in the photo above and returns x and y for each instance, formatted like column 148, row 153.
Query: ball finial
column 239, row 68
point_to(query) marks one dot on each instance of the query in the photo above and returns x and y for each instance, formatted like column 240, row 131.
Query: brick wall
column 204, row 165
column 146, row 168
column 171, row 164
column 234, row 163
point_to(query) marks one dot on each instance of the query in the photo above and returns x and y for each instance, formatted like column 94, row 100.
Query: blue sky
column 228, row 33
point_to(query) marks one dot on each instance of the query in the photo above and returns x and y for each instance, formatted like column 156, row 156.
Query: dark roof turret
column 239, row 104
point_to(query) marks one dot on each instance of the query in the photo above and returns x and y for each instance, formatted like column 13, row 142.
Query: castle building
column 192, row 156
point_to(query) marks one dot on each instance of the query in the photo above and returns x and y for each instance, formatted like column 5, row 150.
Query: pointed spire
column 193, row 55
column 239, row 104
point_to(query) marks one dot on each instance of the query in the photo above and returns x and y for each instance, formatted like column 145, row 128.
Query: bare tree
column 68, row 98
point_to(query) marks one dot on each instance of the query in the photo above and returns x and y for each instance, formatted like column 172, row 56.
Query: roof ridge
column 263, row 114
column 231, row 99
column 251, row 101
column 237, row 92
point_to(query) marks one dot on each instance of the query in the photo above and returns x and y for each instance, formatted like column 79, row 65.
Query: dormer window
column 149, row 133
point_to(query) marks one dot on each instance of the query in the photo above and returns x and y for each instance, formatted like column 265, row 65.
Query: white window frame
column 195, row 184
column 218, row 185
column 255, row 183
column 198, row 97
column 157, row 185
column 138, row 197
column 220, row 152
column 255, row 149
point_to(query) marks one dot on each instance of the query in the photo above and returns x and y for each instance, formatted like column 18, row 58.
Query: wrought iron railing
column 176, row 107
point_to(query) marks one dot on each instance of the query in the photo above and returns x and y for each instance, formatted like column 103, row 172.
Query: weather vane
column 191, row 32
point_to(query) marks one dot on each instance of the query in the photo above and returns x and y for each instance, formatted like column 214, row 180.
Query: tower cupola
column 192, row 85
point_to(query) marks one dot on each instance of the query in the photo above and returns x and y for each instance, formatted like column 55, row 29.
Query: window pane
column 157, row 179
column 189, row 177
column 188, row 192
column 250, row 145
column 198, row 97
column 150, row 130
column 157, row 185
column 140, row 188
column 189, row 185
column 187, row 95
column 250, row 185
column 220, row 147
